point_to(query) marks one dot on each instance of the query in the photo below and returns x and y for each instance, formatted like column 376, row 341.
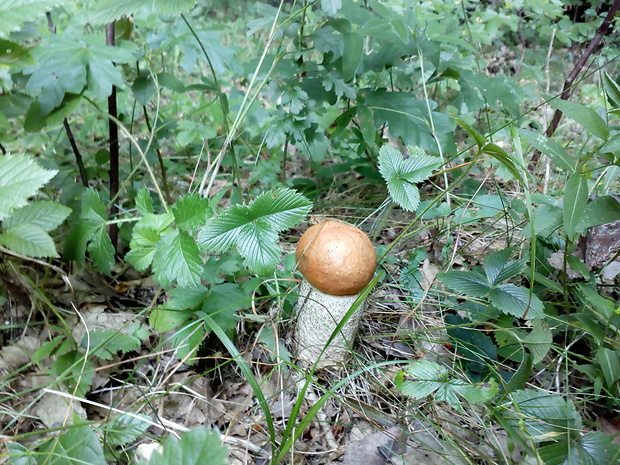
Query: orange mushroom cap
column 336, row 258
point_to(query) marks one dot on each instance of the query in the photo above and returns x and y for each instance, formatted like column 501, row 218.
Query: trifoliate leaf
column 20, row 178
column 177, row 260
column 46, row 215
column 29, row 240
column 254, row 228
column 516, row 301
column 469, row 283
column 401, row 175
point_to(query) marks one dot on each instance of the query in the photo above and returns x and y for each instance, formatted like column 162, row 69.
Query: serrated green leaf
column 177, row 260
column 13, row 13
column 20, row 178
column 190, row 211
column 545, row 415
column 421, row 379
column 67, row 64
column 77, row 240
column 469, row 283
column 105, row 343
column 93, row 209
column 44, row 214
column 111, row 10
column 186, row 341
column 551, row 148
column 584, row 116
column 144, row 89
column 257, row 243
column 610, row 365
column 516, row 301
column 499, row 268
column 254, row 228
column 199, row 446
column 575, row 201
column 222, row 303
column 144, row 203
column 19, row 455
column 401, row 175
column 101, row 251
column 29, row 240
column 125, row 429
column 331, row 7
column 599, row 211
column 140, row 258
column 77, row 446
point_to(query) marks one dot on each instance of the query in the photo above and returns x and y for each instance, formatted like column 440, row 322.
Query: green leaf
column 106, row 343
column 366, row 121
column 254, row 228
column 583, row 115
column 93, row 209
column 608, row 360
column 401, row 174
column 469, row 283
column 575, row 201
column 612, row 89
column 502, row 156
column 545, row 415
column 125, row 429
column 551, row 148
column 30, row 240
column 421, row 379
column 45, row 214
column 13, row 14
column 111, row 10
column 599, row 211
column 516, row 301
column 19, row 455
column 144, row 203
column 144, row 89
column 77, row 446
column 101, row 251
column 68, row 64
column 222, row 303
column 190, row 211
column 352, row 55
column 331, row 7
column 499, row 268
column 20, row 178
column 145, row 236
column 522, row 375
column 186, row 341
column 200, row 446
column 177, row 260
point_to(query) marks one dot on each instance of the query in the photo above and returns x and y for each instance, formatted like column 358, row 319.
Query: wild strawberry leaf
column 111, row 10
column 177, row 260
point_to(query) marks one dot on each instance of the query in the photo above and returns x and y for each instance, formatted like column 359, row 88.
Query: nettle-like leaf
column 498, row 267
column 517, row 301
column 190, row 211
column 14, row 13
column 401, row 174
column 421, row 379
column 196, row 447
column 20, row 178
column 125, row 429
column 177, row 260
column 254, row 228
column 111, row 10
column 28, row 240
column 469, row 283
column 45, row 214
column 145, row 236
column 69, row 65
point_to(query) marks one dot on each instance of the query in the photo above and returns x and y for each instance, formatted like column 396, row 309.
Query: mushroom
column 337, row 261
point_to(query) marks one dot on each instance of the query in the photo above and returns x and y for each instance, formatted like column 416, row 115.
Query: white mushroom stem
column 318, row 315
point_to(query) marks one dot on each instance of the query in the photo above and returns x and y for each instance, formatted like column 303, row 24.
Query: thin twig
column 590, row 49
column 114, row 146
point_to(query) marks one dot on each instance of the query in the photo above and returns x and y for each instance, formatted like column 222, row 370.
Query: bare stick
column 590, row 49
column 114, row 147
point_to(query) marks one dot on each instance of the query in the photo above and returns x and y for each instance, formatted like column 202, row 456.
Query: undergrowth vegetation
column 160, row 159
